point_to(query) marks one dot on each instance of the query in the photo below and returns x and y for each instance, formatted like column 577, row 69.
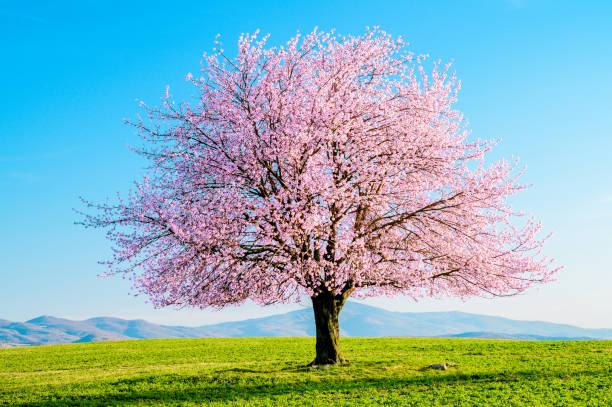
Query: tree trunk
column 326, row 308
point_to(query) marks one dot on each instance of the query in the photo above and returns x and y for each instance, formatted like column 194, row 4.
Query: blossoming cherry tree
column 327, row 167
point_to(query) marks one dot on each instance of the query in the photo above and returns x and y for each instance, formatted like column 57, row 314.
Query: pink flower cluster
column 329, row 164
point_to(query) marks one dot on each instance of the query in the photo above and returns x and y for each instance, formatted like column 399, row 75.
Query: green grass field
column 269, row 371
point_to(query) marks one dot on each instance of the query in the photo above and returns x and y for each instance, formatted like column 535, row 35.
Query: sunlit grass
column 270, row 371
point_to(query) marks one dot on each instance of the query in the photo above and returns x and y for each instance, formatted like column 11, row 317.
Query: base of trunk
column 316, row 365
column 329, row 359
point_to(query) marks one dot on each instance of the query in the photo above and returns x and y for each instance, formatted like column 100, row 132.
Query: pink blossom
column 326, row 165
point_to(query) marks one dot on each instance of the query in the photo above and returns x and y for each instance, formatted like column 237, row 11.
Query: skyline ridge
column 357, row 320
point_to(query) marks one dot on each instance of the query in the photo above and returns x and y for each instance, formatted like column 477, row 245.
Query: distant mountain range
column 355, row 320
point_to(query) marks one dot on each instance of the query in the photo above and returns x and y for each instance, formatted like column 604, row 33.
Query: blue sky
column 535, row 73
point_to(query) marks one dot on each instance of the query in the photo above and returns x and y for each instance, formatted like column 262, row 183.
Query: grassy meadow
column 270, row 371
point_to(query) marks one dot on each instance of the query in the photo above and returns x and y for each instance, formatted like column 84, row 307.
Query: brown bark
column 326, row 308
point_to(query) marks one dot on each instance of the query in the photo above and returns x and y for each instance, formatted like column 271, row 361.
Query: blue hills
column 355, row 320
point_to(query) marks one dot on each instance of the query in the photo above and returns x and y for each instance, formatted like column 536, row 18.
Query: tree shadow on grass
column 207, row 389
column 267, row 371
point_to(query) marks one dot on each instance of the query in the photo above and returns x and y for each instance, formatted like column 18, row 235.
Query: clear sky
column 537, row 74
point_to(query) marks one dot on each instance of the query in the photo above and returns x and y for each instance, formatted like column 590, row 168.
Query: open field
column 268, row 371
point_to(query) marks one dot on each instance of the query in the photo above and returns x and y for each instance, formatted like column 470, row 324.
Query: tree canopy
column 327, row 166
